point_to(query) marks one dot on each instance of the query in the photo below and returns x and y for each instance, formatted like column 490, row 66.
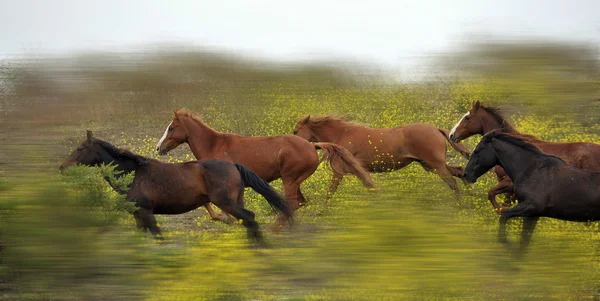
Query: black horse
column 165, row 188
column 544, row 184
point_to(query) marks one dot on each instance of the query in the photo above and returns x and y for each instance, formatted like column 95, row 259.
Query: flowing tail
column 458, row 146
column 343, row 162
column 259, row 185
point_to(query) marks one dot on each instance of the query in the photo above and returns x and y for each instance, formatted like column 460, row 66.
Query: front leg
column 148, row 221
column 522, row 209
column 505, row 186
column 529, row 223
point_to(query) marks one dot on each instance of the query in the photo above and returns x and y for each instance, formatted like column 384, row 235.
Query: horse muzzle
column 468, row 177
column 162, row 150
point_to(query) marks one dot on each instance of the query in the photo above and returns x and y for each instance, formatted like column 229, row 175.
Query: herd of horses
column 546, row 179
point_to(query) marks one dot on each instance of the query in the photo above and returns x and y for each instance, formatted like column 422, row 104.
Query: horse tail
column 263, row 188
column 343, row 162
column 458, row 146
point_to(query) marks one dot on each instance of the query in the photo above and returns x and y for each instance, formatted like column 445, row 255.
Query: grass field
column 63, row 239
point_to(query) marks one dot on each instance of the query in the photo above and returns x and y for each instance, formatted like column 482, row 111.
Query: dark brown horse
column 164, row 188
column 287, row 157
column 482, row 119
column 385, row 149
column 545, row 185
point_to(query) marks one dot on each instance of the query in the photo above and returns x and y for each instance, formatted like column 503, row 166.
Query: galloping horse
column 164, row 188
column 386, row 149
column 544, row 184
column 482, row 119
column 287, row 157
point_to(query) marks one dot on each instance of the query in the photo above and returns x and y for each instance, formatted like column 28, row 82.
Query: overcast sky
column 380, row 31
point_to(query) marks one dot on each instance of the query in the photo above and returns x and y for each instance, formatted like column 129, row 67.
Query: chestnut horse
column 165, row 188
column 481, row 119
column 287, row 157
column 546, row 186
column 385, row 149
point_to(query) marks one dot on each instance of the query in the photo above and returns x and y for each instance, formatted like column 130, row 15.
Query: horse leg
column 504, row 186
column 138, row 221
column 444, row 173
column 521, row 209
column 290, row 191
column 335, row 182
column 149, row 221
column 529, row 223
column 228, row 205
column 215, row 216
column 302, row 200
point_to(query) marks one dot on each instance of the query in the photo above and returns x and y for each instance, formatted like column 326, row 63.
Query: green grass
column 410, row 240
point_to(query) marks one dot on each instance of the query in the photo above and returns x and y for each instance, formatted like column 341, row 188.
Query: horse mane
column 188, row 113
column 320, row 120
column 124, row 153
column 505, row 126
column 520, row 141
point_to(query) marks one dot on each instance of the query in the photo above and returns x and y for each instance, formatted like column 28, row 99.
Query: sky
column 385, row 32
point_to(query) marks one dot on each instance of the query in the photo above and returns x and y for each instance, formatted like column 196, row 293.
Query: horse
column 481, row 119
column 385, row 149
column 288, row 157
column 545, row 185
column 166, row 188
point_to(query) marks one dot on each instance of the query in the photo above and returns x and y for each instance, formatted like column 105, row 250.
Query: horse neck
column 122, row 165
column 491, row 123
column 514, row 160
column 126, row 165
column 329, row 132
column 201, row 138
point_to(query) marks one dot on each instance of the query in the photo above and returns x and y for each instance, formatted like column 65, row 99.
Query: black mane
column 520, row 142
column 123, row 153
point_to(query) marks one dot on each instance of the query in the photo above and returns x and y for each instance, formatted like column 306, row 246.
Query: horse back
column 267, row 155
column 583, row 155
column 168, row 187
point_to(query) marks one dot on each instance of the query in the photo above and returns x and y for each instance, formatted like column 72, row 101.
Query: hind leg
column 335, row 182
column 301, row 199
column 293, row 197
column 227, row 204
column 444, row 173
column 457, row 171
column 215, row 216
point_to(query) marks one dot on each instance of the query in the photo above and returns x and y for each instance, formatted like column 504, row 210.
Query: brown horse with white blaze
column 385, row 149
column 288, row 157
column 482, row 119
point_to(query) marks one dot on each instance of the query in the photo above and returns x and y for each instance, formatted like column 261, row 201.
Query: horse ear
column 476, row 105
column 89, row 134
column 175, row 112
column 306, row 119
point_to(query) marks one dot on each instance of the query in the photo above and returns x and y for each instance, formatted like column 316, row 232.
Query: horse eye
column 170, row 129
column 467, row 118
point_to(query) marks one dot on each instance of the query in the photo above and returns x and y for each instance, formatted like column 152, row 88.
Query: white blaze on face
column 458, row 123
column 163, row 136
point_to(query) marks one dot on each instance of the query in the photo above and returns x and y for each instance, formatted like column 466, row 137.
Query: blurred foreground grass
column 63, row 239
